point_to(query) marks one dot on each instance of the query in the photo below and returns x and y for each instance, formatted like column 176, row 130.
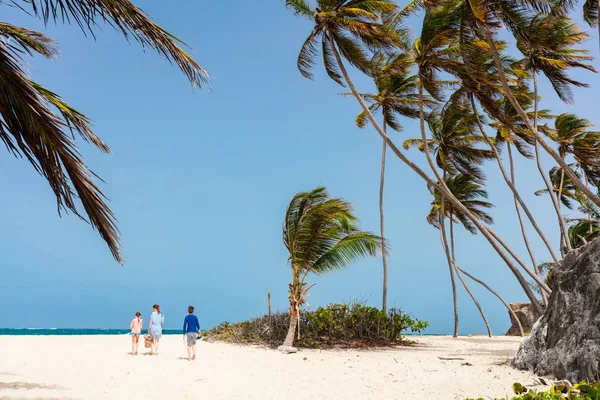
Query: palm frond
column 124, row 16
column 347, row 250
column 23, row 39
column 30, row 129
column 300, row 8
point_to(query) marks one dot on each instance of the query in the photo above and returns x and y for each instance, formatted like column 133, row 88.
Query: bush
column 581, row 391
column 336, row 324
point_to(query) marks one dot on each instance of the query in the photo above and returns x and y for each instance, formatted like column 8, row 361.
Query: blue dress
column 157, row 322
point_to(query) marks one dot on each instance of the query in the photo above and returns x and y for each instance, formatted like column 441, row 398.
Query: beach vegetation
column 561, row 391
column 346, row 325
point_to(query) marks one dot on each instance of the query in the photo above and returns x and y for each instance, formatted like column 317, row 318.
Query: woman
column 155, row 329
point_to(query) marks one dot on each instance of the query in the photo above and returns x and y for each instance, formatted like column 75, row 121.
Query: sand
column 100, row 367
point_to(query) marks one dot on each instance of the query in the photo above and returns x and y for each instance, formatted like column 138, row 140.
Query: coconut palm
column 454, row 145
column 471, row 195
column 396, row 97
column 454, row 142
column 321, row 235
column 38, row 125
column 363, row 18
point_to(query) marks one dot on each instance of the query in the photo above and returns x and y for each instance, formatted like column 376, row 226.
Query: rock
column 565, row 341
column 525, row 314
column 287, row 349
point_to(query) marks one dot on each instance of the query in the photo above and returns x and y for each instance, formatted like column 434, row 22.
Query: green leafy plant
column 580, row 391
column 351, row 325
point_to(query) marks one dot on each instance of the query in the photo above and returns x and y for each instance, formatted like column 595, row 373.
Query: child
column 191, row 329
column 136, row 330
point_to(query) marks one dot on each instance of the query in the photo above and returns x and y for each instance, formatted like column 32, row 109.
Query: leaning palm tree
column 472, row 196
column 453, row 143
column 321, row 235
column 396, row 97
column 35, row 123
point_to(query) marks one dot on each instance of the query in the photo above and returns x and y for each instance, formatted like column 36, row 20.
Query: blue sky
column 200, row 181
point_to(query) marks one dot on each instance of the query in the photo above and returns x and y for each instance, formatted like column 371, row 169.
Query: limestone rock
column 565, row 341
column 525, row 314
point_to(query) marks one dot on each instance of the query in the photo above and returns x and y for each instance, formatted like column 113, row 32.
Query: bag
column 147, row 341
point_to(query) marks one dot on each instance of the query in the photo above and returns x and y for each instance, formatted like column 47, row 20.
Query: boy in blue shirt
column 191, row 329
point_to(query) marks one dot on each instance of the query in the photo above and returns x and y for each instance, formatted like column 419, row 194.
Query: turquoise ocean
column 69, row 332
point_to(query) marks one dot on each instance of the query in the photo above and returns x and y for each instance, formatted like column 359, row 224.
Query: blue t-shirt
column 190, row 324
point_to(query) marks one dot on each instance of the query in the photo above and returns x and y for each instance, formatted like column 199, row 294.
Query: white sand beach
column 99, row 367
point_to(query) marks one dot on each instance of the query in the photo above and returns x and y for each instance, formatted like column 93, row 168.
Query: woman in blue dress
column 155, row 329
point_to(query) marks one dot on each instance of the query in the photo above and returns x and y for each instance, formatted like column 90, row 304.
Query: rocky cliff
column 565, row 341
column 526, row 316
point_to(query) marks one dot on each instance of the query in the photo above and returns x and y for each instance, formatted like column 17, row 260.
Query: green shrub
column 335, row 324
column 580, row 391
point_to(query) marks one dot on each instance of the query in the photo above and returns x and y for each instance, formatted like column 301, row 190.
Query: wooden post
column 269, row 297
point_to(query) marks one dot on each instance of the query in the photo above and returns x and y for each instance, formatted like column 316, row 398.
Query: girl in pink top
column 136, row 330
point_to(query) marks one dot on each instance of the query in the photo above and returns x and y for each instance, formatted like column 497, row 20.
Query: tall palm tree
column 471, row 195
column 362, row 18
column 454, row 145
column 38, row 125
column 511, row 131
column 396, row 97
column 321, row 235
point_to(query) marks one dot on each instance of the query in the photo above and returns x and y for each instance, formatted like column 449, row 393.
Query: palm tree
column 453, row 144
column 470, row 195
column 396, row 97
column 333, row 22
column 453, row 140
column 38, row 125
column 321, row 234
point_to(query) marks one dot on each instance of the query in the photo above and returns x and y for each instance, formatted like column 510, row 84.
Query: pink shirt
column 136, row 325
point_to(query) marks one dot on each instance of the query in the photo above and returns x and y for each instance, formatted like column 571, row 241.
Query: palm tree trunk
column 588, row 208
column 538, row 159
column 509, row 94
column 487, row 325
column 510, row 310
column 449, row 259
column 516, row 194
column 381, row 222
column 523, row 230
column 294, row 309
column 289, row 338
column 559, row 195
column 443, row 188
